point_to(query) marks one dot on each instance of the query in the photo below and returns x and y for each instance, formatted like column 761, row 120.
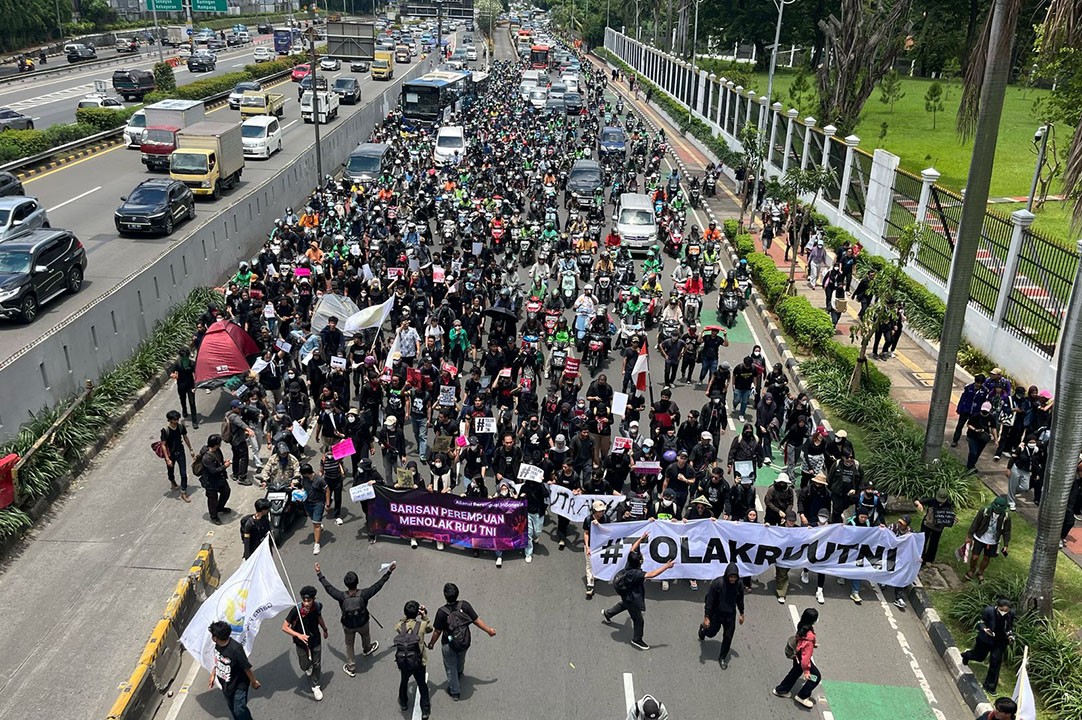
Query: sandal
column 980, row 578
column 968, row 576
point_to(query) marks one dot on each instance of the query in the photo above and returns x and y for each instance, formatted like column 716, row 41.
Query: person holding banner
column 567, row 478
column 597, row 515
column 630, row 584
column 232, row 670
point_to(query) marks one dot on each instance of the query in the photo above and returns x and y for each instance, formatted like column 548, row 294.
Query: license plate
column 276, row 496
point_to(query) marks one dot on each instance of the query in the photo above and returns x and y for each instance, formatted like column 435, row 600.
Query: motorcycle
column 728, row 307
column 630, row 326
column 595, row 350
column 568, row 287
column 710, row 276
column 604, row 288
column 695, row 197
column 585, row 261
column 557, row 360
column 692, row 253
column 668, row 328
column 283, row 510
column 693, row 305
column 673, row 242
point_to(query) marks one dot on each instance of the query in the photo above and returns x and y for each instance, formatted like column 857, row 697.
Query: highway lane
column 83, row 195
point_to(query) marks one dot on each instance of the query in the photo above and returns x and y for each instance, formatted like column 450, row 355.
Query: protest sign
column 360, row 493
column 481, row 524
column 343, row 449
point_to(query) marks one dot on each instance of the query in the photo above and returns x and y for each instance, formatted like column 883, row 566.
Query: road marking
column 794, row 615
column 417, row 701
column 629, row 692
column 237, row 64
column 77, row 197
column 289, row 125
column 922, row 680
column 182, row 694
column 73, row 164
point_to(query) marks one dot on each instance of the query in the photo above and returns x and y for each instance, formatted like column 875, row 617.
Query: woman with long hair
column 803, row 666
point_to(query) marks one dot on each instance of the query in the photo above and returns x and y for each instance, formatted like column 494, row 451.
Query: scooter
column 586, row 262
column 283, row 510
column 604, row 288
column 568, row 287
column 728, row 307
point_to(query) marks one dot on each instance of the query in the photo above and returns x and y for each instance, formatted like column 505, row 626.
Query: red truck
column 163, row 121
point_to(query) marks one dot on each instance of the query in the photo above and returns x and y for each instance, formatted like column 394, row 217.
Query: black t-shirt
column 631, row 355
column 230, row 666
column 316, row 487
column 444, row 613
column 589, row 521
column 185, row 370
column 311, row 624
column 173, row 440
column 636, row 580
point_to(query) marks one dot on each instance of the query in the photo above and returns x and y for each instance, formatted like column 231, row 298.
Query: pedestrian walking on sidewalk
column 355, row 616
column 991, row 525
column 174, row 438
column 232, row 670
column 724, row 609
column 411, row 656
column 973, row 395
column 452, row 628
column 183, row 371
column 304, row 623
column 995, row 631
column 979, row 432
column 800, row 648
column 630, row 584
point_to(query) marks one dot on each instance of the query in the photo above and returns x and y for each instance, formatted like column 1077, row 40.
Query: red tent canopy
column 223, row 353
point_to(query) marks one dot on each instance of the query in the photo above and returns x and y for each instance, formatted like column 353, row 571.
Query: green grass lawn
column 1053, row 220
column 911, row 137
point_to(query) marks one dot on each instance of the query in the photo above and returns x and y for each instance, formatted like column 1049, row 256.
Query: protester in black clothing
column 183, row 371
column 215, row 477
column 939, row 508
column 232, row 670
column 452, row 627
column 630, row 584
column 304, row 623
column 255, row 527
column 355, row 615
column 995, row 631
column 174, row 437
column 716, row 491
column 1004, row 709
column 411, row 655
column 567, row 477
column 724, row 608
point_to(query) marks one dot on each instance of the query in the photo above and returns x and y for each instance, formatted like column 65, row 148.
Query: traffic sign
column 165, row 5
column 216, row 6
column 189, row 31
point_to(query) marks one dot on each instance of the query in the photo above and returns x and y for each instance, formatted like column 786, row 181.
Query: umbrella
column 500, row 313
column 331, row 305
column 718, row 328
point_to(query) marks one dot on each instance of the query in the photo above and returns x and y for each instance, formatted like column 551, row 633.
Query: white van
column 539, row 96
column 449, row 139
column 533, row 77
column 635, row 221
column 261, row 135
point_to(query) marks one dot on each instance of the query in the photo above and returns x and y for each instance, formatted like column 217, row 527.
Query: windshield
column 612, row 136
column 363, row 164
column 343, row 84
column 253, row 131
column 188, row 163
column 158, row 137
column 636, row 217
column 539, row 94
column 14, row 262
column 137, row 121
column 379, row 63
column 421, row 104
column 146, row 196
column 590, row 177
column 253, row 100
column 450, row 142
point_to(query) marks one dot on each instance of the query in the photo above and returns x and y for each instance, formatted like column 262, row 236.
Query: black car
column 10, row 185
column 306, row 84
column 78, row 53
column 348, row 89
column 263, row 29
column 155, row 205
column 35, row 268
column 583, row 180
column 202, row 62
column 572, row 103
column 216, row 44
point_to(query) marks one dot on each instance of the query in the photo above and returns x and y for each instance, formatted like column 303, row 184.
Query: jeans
column 366, row 643
column 420, row 431
column 179, row 463
column 422, row 688
column 454, row 662
column 1018, row 481
column 535, row 523
column 238, row 703
column 710, row 365
column 311, row 656
column 240, row 459
column 253, row 449
column 726, row 622
column 787, row 683
column 633, row 610
column 741, row 399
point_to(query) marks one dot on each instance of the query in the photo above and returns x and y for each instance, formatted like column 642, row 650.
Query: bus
column 285, row 39
column 539, row 57
column 429, row 99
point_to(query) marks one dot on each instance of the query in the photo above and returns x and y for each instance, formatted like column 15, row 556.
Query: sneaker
column 954, row 443
column 996, row 457
column 352, row 672
column 529, row 558
column 899, row 603
column 317, row 692
column 499, row 561
column 804, row 702
column 841, row 581
column 855, row 597
column 216, row 521
column 665, row 585
column 768, row 461
column 439, row 545
column 372, row 540
column 562, row 544
column 589, row 591
column 781, row 600
column 804, row 577
column 819, row 596
column 694, row 584
column 315, row 549
column 775, row 693
column 338, row 521
column 413, row 543
column 1012, row 507
column 640, row 645
column 607, row 620
column 371, row 648
column 724, row 663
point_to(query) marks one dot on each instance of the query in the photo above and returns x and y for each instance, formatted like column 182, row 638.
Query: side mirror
column 16, row 223
column 123, row 198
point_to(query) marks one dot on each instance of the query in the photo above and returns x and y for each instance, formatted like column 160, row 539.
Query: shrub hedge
column 103, row 118
column 809, row 326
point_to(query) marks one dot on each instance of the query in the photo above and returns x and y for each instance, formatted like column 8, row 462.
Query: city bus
column 285, row 39
column 429, row 99
column 539, row 57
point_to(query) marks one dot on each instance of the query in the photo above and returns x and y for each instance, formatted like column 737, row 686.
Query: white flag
column 254, row 593
column 370, row 317
column 1023, row 692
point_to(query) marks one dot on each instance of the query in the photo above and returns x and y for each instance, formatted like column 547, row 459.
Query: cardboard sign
column 484, row 425
column 743, row 470
column 338, row 362
column 527, row 383
column 438, row 274
column 621, row 444
column 442, row 443
column 283, row 346
column 450, row 369
column 505, row 373
column 477, row 248
column 447, row 395
column 403, row 478
column 530, row 472
column 366, row 270
column 343, row 449
column 456, row 267
column 271, row 270
column 461, row 441
column 302, row 272
column 360, row 493
column 571, row 366
column 944, row 517
column 300, row 433
column 619, row 403
column 395, row 272
column 268, row 311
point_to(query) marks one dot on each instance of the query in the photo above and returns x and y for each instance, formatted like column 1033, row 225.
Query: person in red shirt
column 694, row 285
column 613, row 240
column 712, row 233
column 803, row 665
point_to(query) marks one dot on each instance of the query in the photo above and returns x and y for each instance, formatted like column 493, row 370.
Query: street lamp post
column 694, row 45
column 1040, row 141
column 315, row 101
column 769, row 99
column 157, row 31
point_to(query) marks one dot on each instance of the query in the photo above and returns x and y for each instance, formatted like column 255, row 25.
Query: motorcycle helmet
column 604, row 254
column 743, row 262
column 634, row 292
column 589, row 288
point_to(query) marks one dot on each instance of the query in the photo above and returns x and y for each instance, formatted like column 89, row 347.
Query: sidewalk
column 911, row 370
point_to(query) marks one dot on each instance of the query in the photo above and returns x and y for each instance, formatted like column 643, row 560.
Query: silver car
column 11, row 120
column 20, row 214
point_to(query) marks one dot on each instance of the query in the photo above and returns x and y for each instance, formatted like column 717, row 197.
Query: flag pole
column 274, row 546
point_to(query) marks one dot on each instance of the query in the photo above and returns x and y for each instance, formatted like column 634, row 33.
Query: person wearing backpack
column 355, row 616
column 630, row 583
column 411, row 656
column 452, row 627
column 255, row 527
column 799, row 649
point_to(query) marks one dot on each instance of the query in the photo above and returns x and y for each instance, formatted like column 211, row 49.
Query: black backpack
column 621, row 582
column 458, row 629
column 354, row 611
column 407, row 647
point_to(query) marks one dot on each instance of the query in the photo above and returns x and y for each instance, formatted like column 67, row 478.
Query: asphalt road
column 82, row 196
column 52, row 101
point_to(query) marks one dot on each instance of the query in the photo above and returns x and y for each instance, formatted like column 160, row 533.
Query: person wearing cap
column 837, row 444
column 234, row 425
column 980, row 430
column 844, row 479
column 779, row 499
column 255, row 527
column 630, row 584
column 813, row 507
column 392, row 443
column 935, row 509
column 724, row 607
column 596, row 517
column 304, row 623
column 969, row 403
column 990, row 527
column 873, row 500
column 995, row 631
column 781, row 574
column 647, row 708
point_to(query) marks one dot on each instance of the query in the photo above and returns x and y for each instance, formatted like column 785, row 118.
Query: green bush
column 104, row 118
column 18, row 144
column 257, row 71
column 165, row 80
column 809, row 326
column 766, row 276
column 202, row 89
column 744, row 244
column 731, row 228
column 872, row 380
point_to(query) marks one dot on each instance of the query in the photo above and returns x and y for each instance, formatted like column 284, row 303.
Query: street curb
column 61, row 161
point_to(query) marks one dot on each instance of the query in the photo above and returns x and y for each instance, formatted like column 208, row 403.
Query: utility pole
column 1040, row 136
column 694, row 44
column 157, row 31
column 315, row 103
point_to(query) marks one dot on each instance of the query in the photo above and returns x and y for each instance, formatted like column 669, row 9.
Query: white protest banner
column 526, row 471
column 300, row 433
column 619, row 403
column 338, row 362
column 484, row 425
column 360, row 493
column 566, row 504
column 447, row 395
column 702, row 549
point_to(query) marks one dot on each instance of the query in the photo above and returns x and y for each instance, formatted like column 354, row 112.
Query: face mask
column 747, row 436
column 503, row 493
column 667, row 503
column 1003, row 613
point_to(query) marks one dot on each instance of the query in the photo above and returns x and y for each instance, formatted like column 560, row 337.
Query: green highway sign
column 165, row 5
column 218, row 6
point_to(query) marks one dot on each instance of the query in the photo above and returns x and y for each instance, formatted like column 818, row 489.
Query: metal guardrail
column 74, row 145
column 75, row 67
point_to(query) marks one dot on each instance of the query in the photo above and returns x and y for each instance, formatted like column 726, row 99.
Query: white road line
column 903, row 642
column 794, row 615
column 77, row 197
column 237, row 64
column 182, row 694
column 417, row 702
column 629, row 692
column 289, row 124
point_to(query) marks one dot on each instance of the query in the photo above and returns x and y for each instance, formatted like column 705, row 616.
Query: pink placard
column 461, row 441
column 438, row 274
column 302, row 272
column 343, row 449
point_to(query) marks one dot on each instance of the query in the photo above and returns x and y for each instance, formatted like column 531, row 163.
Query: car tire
column 217, row 194
column 74, row 281
column 168, row 228
column 191, row 211
column 28, row 309
column 30, row 125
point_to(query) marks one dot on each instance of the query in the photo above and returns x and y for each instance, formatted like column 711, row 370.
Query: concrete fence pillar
column 702, row 105
column 809, row 126
column 1021, row 219
column 828, row 134
column 775, row 115
column 738, row 93
column 851, row 142
column 791, row 118
column 928, row 178
column 727, row 93
column 751, row 101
